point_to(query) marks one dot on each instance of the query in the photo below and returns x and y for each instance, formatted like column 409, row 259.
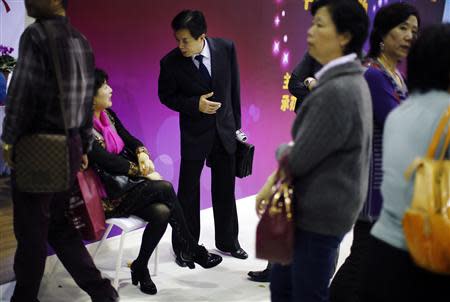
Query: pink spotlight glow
column 276, row 47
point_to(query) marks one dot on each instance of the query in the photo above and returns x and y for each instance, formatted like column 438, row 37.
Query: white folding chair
column 126, row 225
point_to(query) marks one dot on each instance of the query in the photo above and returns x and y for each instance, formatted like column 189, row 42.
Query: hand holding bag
column 42, row 159
column 275, row 231
column 244, row 159
column 426, row 223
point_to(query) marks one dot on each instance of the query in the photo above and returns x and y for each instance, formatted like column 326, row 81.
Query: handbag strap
column 442, row 126
column 283, row 173
column 57, row 66
column 446, row 145
column 282, row 196
column 431, row 152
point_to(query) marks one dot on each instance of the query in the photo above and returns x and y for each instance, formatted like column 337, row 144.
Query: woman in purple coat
column 394, row 30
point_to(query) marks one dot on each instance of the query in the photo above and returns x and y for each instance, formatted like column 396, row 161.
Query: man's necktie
column 202, row 68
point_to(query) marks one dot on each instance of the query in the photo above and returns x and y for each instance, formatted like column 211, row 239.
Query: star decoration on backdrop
column 279, row 44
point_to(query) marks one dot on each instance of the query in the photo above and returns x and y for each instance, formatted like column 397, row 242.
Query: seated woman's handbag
column 275, row 231
column 116, row 185
column 42, row 162
column 426, row 223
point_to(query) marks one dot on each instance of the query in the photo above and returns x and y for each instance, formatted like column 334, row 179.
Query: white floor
column 226, row 282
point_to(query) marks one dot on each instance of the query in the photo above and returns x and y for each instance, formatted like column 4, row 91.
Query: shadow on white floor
column 226, row 282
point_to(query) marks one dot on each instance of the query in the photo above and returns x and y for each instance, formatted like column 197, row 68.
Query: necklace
column 391, row 71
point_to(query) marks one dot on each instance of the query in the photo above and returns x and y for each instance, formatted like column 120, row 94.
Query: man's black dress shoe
column 112, row 297
column 260, row 276
column 239, row 253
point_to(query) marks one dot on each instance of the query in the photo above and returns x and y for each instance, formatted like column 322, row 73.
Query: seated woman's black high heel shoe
column 141, row 275
column 187, row 250
column 184, row 260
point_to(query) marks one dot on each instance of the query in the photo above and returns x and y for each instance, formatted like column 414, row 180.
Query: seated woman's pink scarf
column 113, row 142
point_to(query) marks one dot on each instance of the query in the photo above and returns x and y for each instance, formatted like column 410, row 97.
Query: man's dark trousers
column 222, row 190
column 40, row 218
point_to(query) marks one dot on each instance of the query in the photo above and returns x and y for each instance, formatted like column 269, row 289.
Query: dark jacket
column 32, row 103
column 306, row 68
column 110, row 162
column 180, row 86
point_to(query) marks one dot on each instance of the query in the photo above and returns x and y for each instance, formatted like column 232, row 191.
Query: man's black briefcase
column 244, row 158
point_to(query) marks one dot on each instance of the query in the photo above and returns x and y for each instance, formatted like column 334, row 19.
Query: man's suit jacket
column 180, row 86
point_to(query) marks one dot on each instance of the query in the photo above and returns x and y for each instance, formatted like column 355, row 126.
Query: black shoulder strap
column 57, row 65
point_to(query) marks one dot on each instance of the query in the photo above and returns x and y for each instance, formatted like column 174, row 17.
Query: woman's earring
column 382, row 46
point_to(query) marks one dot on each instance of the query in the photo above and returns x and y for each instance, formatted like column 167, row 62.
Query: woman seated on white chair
column 133, row 187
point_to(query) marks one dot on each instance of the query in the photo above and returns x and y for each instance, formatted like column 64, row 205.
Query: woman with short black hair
column 142, row 191
column 330, row 157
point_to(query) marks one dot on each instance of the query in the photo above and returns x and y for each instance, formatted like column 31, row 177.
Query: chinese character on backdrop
column 287, row 101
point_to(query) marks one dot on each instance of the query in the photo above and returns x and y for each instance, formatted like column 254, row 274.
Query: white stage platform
column 226, row 282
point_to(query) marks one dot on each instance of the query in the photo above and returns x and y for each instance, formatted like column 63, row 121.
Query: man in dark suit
column 200, row 80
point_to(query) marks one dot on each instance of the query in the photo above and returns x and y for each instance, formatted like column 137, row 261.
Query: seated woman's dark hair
column 64, row 3
column 429, row 60
column 387, row 18
column 349, row 17
column 100, row 78
column 192, row 20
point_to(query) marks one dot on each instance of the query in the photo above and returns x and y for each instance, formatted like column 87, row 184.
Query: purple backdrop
column 129, row 39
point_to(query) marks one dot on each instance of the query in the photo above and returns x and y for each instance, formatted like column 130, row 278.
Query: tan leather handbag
column 426, row 223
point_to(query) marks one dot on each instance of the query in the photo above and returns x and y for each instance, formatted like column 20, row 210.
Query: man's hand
column 206, row 106
column 84, row 162
column 241, row 136
column 8, row 154
column 310, row 83
column 146, row 166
